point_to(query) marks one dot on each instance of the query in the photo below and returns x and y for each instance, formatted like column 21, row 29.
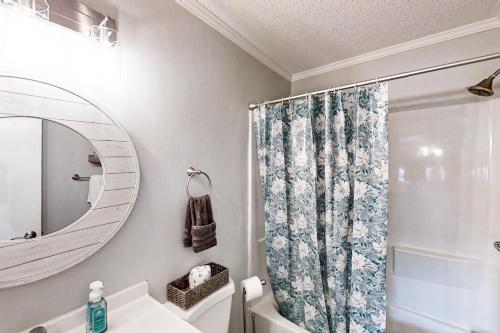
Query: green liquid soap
column 97, row 309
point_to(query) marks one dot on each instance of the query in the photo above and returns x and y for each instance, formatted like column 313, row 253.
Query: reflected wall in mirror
column 38, row 195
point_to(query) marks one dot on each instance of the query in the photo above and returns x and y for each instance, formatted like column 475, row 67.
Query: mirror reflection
column 49, row 177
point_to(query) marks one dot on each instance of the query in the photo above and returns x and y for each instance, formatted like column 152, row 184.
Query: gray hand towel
column 199, row 225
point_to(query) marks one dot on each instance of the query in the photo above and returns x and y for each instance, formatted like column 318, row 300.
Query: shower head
column 485, row 87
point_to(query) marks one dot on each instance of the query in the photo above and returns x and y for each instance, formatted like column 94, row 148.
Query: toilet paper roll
column 253, row 288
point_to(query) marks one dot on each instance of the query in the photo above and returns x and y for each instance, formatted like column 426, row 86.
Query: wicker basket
column 178, row 291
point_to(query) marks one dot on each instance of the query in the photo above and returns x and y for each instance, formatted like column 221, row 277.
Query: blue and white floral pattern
column 323, row 166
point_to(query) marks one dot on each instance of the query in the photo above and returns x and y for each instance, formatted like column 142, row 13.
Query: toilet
column 210, row 315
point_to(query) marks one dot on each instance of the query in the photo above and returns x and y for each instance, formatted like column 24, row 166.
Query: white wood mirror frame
column 24, row 261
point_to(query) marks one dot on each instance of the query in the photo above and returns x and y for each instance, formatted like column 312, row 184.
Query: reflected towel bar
column 76, row 177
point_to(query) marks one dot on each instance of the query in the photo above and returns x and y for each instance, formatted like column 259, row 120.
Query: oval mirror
column 69, row 177
column 48, row 181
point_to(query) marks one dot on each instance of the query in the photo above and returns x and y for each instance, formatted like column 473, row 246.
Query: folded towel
column 95, row 186
column 203, row 237
column 199, row 225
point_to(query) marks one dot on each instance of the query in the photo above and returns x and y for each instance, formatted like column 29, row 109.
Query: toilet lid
column 191, row 314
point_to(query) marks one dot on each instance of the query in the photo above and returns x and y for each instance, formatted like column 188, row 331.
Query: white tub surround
column 267, row 318
column 129, row 310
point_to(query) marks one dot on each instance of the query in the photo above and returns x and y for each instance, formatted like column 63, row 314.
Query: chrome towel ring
column 191, row 173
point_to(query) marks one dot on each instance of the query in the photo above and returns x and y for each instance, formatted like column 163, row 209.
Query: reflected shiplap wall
column 181, row 91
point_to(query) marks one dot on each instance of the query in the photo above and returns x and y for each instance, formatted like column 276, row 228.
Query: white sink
column 129, row 311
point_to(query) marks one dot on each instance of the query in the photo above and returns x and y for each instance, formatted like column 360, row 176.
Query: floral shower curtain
column 324, row 173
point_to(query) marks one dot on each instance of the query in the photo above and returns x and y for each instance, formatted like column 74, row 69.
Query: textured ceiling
column 300, row 35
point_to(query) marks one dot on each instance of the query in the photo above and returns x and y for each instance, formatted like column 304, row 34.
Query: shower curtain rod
column 252, row 106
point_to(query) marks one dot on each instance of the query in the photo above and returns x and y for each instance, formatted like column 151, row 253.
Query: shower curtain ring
column 376, row 80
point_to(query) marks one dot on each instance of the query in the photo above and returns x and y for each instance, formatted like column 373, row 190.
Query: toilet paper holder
column 244, row 301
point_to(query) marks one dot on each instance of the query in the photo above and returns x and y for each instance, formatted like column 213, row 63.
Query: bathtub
column 268, row 319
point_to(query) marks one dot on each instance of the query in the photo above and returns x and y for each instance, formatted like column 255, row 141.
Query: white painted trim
column 197, row 9
column 250, row 201
column 439, row 37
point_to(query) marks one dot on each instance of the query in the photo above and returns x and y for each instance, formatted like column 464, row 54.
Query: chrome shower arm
column 494, row 75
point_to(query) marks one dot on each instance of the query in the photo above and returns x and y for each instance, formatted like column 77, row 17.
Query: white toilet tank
column 210, row 315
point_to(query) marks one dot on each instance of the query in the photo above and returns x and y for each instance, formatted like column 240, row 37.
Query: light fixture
column 104, row 33
column 77, row 17
column 39, row 8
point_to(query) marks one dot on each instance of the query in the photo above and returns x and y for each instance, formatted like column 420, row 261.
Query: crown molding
column 207, row 16
column 462, row 31
column 197, row 9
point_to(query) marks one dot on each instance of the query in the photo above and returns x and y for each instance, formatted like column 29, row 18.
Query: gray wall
column 64, row 153
column 182, row 96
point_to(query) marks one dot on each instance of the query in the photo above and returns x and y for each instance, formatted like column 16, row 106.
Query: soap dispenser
column 97, row 312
